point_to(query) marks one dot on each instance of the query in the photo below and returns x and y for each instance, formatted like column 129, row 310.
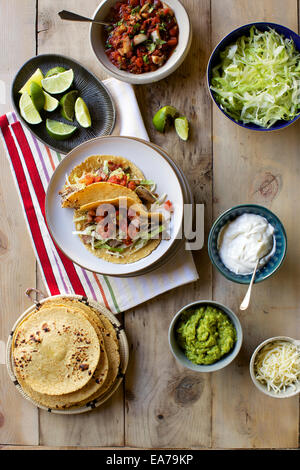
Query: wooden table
column 162, row 404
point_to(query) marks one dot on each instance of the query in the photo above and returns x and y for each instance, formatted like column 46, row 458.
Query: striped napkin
column 32, row 164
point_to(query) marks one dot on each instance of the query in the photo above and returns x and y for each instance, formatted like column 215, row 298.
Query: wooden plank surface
column 105, row 426
column 266, row 169
column 162, row 404
column 17, row 261
column 163, row 400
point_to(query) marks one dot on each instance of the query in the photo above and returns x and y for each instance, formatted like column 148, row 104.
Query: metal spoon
column 245, row 304
column 68, row 15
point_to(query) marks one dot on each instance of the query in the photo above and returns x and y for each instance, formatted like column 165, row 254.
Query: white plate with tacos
column 114, row 205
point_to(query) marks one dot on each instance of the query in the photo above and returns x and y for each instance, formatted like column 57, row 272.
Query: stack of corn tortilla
column 65, row 354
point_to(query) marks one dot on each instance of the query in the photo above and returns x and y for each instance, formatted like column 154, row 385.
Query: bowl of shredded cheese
column 275, row 367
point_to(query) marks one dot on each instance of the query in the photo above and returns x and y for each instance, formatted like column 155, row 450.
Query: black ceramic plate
column 92, row 91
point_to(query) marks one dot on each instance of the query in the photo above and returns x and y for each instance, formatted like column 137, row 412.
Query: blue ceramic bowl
column 231, row 38
column 280, row 240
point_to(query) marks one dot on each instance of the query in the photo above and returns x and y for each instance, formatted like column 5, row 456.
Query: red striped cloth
column 32, row 164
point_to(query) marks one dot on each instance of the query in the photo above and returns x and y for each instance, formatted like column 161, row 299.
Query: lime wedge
column 182, row 127
column 37, row 77
column 37, row 95
column 54, row 71
column 160, row 118
column 51, row 103
column 59, row 130
column 82, row 113
column 58, row 83
column 28, row 110
column 68, row 105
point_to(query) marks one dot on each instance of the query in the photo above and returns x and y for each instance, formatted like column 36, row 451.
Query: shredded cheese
column 278, row 366
column 67, row 181
column 114, row 253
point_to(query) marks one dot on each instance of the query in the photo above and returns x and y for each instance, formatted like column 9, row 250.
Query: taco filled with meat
column 121, row 178
column 119, row 230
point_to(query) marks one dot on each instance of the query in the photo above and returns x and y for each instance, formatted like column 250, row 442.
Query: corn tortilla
column 127, row 257
column 123, row 201
column 98, row 191
column 111, row 344
column 78, row 196
column 97, row 379
column 106, row 371
column 55, row 350
column 93, row 162
column 112, row 348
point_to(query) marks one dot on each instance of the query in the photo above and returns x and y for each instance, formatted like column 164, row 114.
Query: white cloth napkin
column 129, row 121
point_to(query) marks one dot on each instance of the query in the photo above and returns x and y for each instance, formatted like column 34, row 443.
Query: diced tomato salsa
column 143, row 35
column 168, row 206
column 107, row 224
column 121, row 178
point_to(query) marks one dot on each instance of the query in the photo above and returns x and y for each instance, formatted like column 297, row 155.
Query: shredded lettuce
column 67, row 183
column 160, row 200
column 105, row 168
column 118, row 171
column 87, row 231
column 79, row 219
column 115, row 253
column 258, row 79
column 149, row 234
column 138, row 245
column 99, row 244
column 143, row 182
column 116, row 249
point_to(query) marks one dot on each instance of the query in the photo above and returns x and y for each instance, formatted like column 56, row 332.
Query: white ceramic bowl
column 221, row 363
column 289, row 392
column 178, row 56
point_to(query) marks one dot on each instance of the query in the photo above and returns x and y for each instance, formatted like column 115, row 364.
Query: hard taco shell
column 93, row 162
column 99, row 192
column 74, row 193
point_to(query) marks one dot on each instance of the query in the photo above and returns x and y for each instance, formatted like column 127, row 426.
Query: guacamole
column 205, row 334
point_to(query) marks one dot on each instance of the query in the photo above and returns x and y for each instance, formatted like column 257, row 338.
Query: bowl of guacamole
column 205, row 336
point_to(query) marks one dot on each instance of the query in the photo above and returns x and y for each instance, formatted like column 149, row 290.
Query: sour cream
column 243, row 241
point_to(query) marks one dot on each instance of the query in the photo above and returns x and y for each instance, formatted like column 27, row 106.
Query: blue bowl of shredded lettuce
column 253, row 76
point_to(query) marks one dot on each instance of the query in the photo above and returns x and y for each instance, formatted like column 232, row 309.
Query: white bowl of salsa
column 147, row 41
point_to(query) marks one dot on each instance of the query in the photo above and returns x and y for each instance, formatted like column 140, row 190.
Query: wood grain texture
column 266, row 168
column 18, row 419
column 67, row 37
column 166, row 405
column 104, row 426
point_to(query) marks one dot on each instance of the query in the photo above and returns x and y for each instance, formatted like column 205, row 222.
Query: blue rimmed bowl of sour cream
column 243, row 234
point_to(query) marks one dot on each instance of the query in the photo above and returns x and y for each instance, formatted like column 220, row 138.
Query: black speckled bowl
column 92, row 91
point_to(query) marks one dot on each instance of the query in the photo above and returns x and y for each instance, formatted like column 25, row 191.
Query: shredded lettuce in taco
column 119, row 231
column 111, row 172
